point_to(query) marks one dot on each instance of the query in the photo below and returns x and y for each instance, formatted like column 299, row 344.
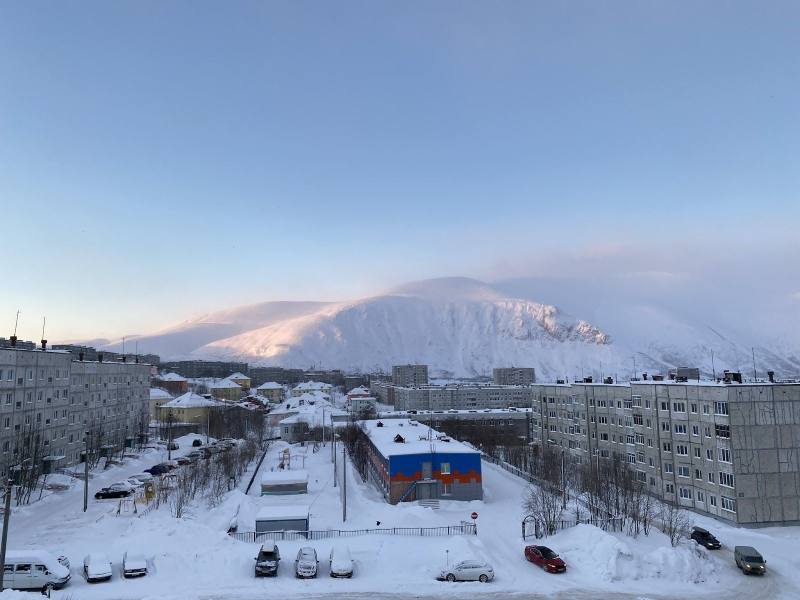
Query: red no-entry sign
column 474, row 516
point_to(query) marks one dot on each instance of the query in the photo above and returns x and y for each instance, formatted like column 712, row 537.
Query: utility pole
column 334, row 465
column 169, row 435
column 208, row 423
column 563, row 482
column 6, row 516
column 344, row 484
column 85, row 473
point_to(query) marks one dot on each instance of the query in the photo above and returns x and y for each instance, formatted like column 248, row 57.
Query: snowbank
column 610, row 557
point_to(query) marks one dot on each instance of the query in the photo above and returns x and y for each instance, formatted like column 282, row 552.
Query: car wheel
column 450, row 577
column 483, row 578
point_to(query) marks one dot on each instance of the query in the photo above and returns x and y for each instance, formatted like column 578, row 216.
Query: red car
column 545, row 558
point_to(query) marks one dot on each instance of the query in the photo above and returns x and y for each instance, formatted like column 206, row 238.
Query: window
column 711, row 478
column 665, row 426
column 721, row 408
column 701, row 497
column 667, row 446
column 722, row 431
column 679, row 407
column 686, row 493
column 445, row 468
column 683, row 471
column 664, row 405
column 669, row 488
column 680, row 428
column 695, row 430
column 697, row 452
column 668, row 468
column 629, row 439
column 681, row 449
column 709, row 454
column 602, row 420
column 712, row 500
column 723, row 455
column 728, row 504
column 631, row 458
column 707, row 431
column 693, row 408
column 641, row 476
column 726, row 479
column 447, row 488
column 604, row 436
column 640, row 439
column 640, row 457
column 636, row 401
column 705, row 410
column 628, row 404
column 698, row 474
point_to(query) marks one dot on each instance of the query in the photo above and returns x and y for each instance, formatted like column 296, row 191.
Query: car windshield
column 753, row 559
column 547, row 553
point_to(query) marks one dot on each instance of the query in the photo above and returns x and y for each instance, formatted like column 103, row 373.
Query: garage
column 282, row 518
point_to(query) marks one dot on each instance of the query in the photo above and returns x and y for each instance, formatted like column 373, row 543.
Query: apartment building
column 725, row 449
column 514, row 376
column 47, row 397
column 458, row 396
column 410, row 375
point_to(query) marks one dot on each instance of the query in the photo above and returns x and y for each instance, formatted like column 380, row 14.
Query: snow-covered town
column 369, row 299
column 227, row 495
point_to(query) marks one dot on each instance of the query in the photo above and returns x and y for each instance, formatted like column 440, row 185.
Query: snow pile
column 610, row 557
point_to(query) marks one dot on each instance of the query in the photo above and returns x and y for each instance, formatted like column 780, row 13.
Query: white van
column 33, row 570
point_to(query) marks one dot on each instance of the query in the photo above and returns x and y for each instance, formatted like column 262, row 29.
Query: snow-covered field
column 194, row 557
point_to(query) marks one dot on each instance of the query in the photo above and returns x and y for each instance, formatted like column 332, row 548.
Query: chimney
column 644, row 376
column 99, row 357
column 44, row 344
column 80, row 356
column 13, row 341
column 124, row 358
column 608, row 381
column 771, row 375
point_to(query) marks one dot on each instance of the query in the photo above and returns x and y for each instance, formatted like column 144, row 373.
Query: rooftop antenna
column 713, row 370
column 44, row 341
column 123, row 345
column 755, row 373
column 14, row 337
column 634, row 367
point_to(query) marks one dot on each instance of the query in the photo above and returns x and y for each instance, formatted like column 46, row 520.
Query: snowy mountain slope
column 464, row 327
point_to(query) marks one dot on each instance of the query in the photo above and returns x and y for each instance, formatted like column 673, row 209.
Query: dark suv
column 268, row 560
column 704, row 538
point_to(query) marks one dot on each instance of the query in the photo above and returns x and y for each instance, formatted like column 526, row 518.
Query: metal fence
column 323, row 534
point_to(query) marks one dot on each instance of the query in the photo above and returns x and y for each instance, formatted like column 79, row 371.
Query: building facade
column 514, row 376
column 50, row 404
column 410, row 375
column 195, row 369
column 408, row 461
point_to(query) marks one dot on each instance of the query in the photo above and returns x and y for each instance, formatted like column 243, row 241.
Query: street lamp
column 6, row 516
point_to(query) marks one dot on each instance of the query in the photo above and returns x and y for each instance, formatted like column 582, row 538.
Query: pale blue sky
column 160, row 159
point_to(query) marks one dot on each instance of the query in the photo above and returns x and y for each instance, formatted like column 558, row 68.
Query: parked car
column 704, row 538
column 144, row 477
column 134, row 482
column 545, row 558
column 268, row 559
column 115, row 490
column 341, row 562
column 96, row 567
column 306, row 564
column 749, row 560
column 468, row 570
column 173, row 446
column 34, row 570
column 197, row 443
column 133, row 565
column 157, row 469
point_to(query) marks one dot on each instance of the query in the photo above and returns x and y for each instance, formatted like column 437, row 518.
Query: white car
column 306, row 563
column 133, row 565
column 96, row 567
column 468, row 570
column 341, row 562
column 134, row 482
column 143, row 477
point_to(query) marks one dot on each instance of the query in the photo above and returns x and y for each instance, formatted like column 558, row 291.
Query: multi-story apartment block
column 459, row 396
column 410, row 375
column 48, row 403
column 514, row 376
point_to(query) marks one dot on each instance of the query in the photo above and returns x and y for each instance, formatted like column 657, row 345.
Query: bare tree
column 675, row 522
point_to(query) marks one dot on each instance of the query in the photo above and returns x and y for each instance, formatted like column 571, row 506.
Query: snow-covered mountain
column 464, row 327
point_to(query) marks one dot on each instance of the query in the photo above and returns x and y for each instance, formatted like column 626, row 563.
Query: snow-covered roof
column 418, row 438
column 190, row 400
column 238, row 375
column 313, row 415
column 275, row 512
column 225, row 384
column 159, row 394
column 359, row 391
column 285, row 477
column 270, row 385
column 171, row 377
column 313, row 385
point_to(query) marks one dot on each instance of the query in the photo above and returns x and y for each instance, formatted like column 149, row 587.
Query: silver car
column 306, row 564
column 468, row 570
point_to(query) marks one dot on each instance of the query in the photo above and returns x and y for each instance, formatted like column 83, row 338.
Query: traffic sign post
column 474, row 517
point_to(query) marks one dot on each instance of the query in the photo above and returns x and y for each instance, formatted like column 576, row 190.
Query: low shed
column 284, row 482
column 282, row 518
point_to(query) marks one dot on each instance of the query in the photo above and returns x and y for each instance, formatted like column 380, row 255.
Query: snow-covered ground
column 194, row 557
